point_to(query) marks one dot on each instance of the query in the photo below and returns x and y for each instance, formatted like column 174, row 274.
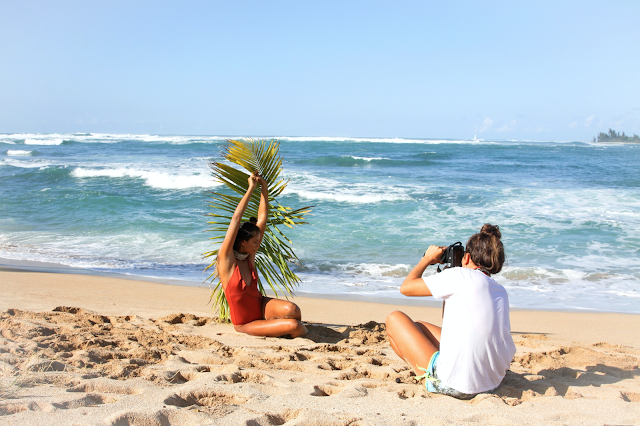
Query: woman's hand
column 262, row 182
column 434, row 254
column 253, row 180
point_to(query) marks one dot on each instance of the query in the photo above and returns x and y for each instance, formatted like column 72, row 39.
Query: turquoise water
column 135, row 204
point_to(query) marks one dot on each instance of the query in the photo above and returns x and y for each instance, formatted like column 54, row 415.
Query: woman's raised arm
column 263, row 210
column 226, row 248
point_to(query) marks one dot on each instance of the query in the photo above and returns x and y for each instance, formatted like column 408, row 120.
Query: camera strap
column 483, row 271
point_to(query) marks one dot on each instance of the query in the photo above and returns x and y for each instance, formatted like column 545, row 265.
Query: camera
column 452, row 256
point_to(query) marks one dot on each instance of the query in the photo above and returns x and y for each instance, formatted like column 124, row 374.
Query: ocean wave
column 354, row 161
column 160, row 180
column 338, row 161
column 316, row 188
column 18, row 153
column 53, row 141
column 115, row 253
column 169, row 139
column 576, row 205
column 20, row 137
column 371, row 270
column 536, row 212
column 367, row 158
column 349, row 196
column 109, row 138
column 538, row 287
column 55, row 138
column 27, row 164
column 371, row 140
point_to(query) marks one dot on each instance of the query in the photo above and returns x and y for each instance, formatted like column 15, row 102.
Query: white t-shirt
column 476, row 347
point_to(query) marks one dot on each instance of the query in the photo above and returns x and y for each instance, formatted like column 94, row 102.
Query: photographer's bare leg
column 415, row 342
column 432, row 332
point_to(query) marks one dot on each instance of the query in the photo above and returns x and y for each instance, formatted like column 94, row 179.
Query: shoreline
column 109, row 294
column 57, row 268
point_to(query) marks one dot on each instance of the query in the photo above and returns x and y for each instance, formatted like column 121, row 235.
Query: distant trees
column 614, row 136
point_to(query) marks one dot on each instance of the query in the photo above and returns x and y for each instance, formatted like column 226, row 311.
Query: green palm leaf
column 275, row 253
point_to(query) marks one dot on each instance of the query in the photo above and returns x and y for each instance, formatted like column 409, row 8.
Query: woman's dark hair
column 486, row 249
column 247, row 231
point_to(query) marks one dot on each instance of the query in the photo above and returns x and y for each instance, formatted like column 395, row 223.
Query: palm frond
column 276, row 252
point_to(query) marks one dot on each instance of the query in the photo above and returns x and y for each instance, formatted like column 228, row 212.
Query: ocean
column 569, row 212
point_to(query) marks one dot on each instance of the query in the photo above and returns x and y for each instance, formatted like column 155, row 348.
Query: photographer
column 472, row 351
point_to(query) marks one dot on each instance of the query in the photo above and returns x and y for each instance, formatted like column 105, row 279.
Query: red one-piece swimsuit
column 245, row 301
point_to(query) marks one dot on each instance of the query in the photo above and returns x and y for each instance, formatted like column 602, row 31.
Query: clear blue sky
column 544, row 70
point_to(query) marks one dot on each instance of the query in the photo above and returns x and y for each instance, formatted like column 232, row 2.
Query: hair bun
column 250, row 223
column 489, row 229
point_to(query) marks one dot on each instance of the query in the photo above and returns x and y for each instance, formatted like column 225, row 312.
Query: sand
column 90, row 350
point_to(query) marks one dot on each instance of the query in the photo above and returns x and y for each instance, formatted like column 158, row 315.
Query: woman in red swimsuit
column 251, row 313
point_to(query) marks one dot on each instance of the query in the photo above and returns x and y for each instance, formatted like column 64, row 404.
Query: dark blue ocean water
column 569, row 211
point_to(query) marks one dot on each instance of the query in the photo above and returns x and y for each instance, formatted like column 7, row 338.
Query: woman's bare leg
column 412, row 341
column 277, row 308
column 273, row 328
column 281, row 317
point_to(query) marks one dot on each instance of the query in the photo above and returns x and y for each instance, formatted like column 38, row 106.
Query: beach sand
column 80, row 349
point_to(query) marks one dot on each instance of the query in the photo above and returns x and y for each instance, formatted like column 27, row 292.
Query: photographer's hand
column 434, row 254
column 414, row 285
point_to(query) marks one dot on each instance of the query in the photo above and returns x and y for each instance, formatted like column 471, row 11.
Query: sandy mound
column 72, row 366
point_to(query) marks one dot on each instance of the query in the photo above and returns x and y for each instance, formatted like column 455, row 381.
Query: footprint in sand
column 213, row 396
column 90, row 400
column 108, row 386
column 326, row 390
column 155, row 418
column 275, row 419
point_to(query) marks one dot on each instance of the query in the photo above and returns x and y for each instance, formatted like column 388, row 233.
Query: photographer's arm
column 414, row 285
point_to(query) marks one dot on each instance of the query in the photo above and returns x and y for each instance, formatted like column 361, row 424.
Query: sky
column 525, row 70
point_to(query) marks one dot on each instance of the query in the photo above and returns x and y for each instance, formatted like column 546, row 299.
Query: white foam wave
column 575, row 205
column 377, row 270
column 370, row 140
column 316, row 188
column 13, row 137
column 367, row 158
column 540, row 212
column 146, row 254
column 57, row 138
column 18, row 153
column 170, row 139
column 160, row 180
column 53, row 141
column 347, row 196
column 30, row 164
